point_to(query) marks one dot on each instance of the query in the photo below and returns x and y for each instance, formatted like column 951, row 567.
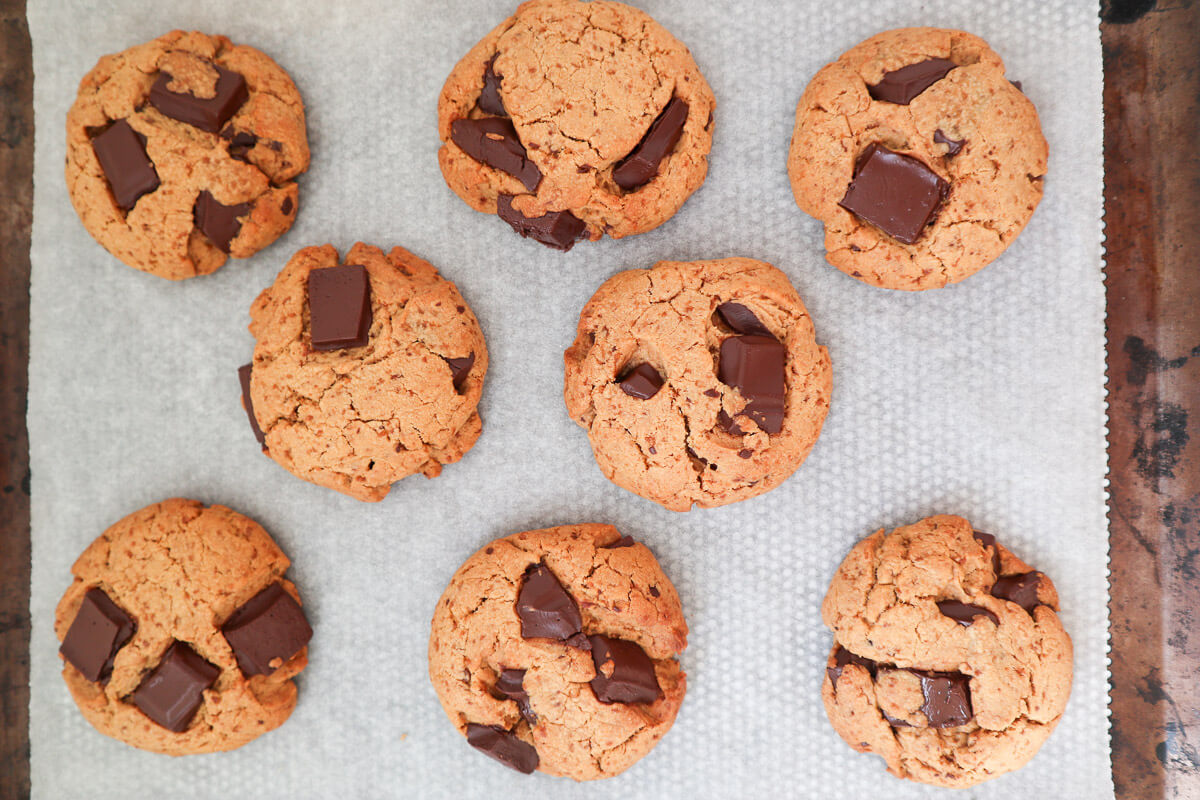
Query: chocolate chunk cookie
column 180, row 634
column 365, row 371
column 948, row 659
column 575, row 119
column 921, row 158
column 183, row 151
column 555, row 650
column 698, row 382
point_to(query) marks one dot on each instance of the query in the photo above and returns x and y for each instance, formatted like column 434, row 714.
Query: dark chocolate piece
column 895, row 723
column 121, row 152
column 640, row 166
column 953, row 146
column 947, row 698
column 339, row 307
column 510, row 685
column 172, row 693
column 208, row 114
column 546, row 610
column 504, row 746
column 240, row 142
column 493, row 141
column 287, row 205
column 741, row 319
column 99, row 630
column 987, row 540
column 248, row 404
column 459, row 369
column 624, row 541
column 900, row 86
column 1018, row 85
column 728, row 423
column 489, row 101
column 754, row 365
column 642, row 382
column 896, row 193
column 843, row 657
column 624, row 673
column 219, row 223
column 270, row 627
column 964, row 613
column 557, row 229
column 1020, row 589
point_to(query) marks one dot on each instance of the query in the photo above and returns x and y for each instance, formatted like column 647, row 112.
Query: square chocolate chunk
column 172, row 693
column 339, row 307
column 121, row 152
column 896, row 193
column 268, row 630
column 206, row 113
column 100, row 629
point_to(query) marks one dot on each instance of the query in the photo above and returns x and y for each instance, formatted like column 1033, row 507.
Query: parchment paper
column 984, row 399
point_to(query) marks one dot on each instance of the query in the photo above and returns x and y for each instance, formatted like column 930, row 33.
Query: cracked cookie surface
column 247, row 165
column 582, row 83
column 477, row 636
column 973, row 128
column 358, row 419
column 693, row 441
column 938, row 601
column 180, row 570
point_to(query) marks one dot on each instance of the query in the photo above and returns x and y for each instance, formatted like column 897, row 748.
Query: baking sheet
column 984, row 399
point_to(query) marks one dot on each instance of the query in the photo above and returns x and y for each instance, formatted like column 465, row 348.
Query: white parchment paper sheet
column 984, row 399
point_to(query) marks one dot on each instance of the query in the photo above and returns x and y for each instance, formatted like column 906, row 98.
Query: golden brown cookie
column 183, row 151
column 949, row 660
column 180, row 634
column 555, row 650
column 922, row 159
column 364, row 372
column 698, row 382
column 575, row 119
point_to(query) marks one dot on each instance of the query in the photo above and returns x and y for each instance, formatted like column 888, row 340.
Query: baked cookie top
column 555, row 650
column 575, row 119
column 182, row 152
column 922, row 159
column 180, row 633
column 380, row 381
column 698, row 382
column 949, row 660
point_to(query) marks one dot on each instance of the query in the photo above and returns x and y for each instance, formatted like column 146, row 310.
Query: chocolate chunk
column 460, row 368
column 987, row 540
column 641, row 165
column 121, row 152
column 896, row 193
column 843, row 657
column 172, row 693
column 1018, row 85
column 895, row 723
column 219, row 223
column 745, row 453
column 546, row 610
column 742, row 319
column 339, row 307
column 489, row 101
column 947, row 698
column 268, row 630
column 712, row 392
column 557, row 229
column 208, row 114
column 964, row 613
column 654, row 591
column 624, row 673
column 248, row 404
column 287, row 205
column 953, row 146
column 510, row 685
column 504, row 746
column 900, row 86
column 1020, row 589
column 240, row 142
column 624, row 541
column 493, row 141
column 754, row 365
column 99, row 630
column 642, row 382
column 728, row 423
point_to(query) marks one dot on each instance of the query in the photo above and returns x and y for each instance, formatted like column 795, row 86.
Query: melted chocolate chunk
column 1020, row 589
column 741, row 319
column 624, row 541
column 901, row 86
column 624, row 673
column 642, row 382
column 964, row 613
column 240, row 143
column 99, row 630
column 220, row 223
column 248, row 404
column 557, row 229
column 267, row 631
column 339, row 307
column 546, row 610
column 121, row 152
column 953, row 146
column 493, row 141
column 896, row 193
column 728, row 423
column 510, row 685
column 987, row 540
column 208, row 114
column 640, row 166
column 460, row 368
column 947, row 698
column 287, row 205
column 504, row 746
column 755, row 366
column 843, row 657
column 172, row 693
column 489, row 101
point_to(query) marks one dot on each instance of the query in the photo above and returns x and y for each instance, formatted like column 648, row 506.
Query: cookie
column 949, row 660
column 921, row 158
column 698, row 382
column 180, row 634
column 575, row 119
column 183, row 151
column 556, row 650
column 364, row 372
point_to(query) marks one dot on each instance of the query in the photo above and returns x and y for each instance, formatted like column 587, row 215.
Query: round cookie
column 180, row 634
column 922, row 176
column 555, row 650
column 698, row 382
column 183, row 151
column 949, row 660
column 575, row 119
column 377, row 381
